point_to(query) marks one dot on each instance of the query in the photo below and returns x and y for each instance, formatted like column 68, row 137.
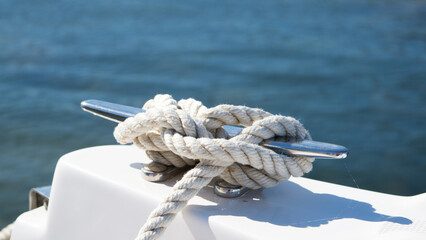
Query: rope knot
column 188, row 133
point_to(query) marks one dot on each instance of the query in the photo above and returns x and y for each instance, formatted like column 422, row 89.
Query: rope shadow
column 291, row 205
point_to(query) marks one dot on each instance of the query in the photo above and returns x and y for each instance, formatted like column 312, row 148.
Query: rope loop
column 188, row 133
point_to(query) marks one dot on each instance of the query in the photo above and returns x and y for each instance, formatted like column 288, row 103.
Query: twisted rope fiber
column 188, row 133
column 6, row 232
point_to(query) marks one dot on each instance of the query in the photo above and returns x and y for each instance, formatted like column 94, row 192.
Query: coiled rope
column 188, row 133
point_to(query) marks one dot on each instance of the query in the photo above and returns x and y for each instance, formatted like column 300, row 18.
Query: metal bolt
column 227, row 190
column 157, row 172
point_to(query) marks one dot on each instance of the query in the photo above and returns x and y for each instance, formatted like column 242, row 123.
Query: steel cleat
column 157, row 172
column 119, row 113
column 39, row 197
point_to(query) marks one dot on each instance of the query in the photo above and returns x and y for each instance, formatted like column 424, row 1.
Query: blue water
column 354, row 72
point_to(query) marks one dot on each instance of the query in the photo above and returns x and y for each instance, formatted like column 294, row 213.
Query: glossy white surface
column 98, row 193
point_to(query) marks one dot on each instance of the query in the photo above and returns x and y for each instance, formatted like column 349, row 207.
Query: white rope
column 188, row 133
column 6, row 232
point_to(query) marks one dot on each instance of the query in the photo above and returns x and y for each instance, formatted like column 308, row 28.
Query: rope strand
column 6, row 232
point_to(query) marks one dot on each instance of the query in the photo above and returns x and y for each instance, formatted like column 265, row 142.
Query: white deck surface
column 98, row 193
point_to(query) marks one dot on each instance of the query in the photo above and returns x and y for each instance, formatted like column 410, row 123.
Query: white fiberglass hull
column 98, row 193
